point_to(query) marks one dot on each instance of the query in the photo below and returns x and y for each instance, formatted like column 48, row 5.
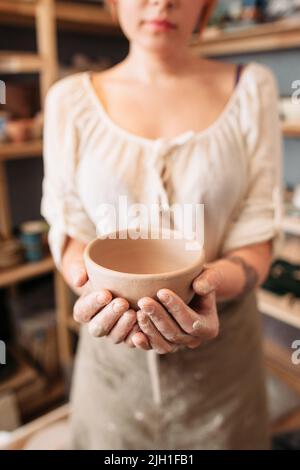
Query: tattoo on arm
column 251, row 276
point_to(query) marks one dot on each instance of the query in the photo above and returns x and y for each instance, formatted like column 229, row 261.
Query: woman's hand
column 104, row 315
column 171, row 324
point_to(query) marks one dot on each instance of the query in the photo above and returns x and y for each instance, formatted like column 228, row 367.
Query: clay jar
column 136, row 268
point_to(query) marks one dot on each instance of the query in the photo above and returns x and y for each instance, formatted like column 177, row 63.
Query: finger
column 207, row 326
column 203, row 303
column 78, row 273
column 104, row 321
column 123, row 327
column 200, row 323
column 158, row 343
column 208, row 281
column 195, row 343
column 163, row 322
column 141, row 341
column 181, row 312
column 128, row 339
column 87, row 306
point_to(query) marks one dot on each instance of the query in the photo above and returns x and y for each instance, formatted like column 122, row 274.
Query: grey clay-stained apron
column 212, row 397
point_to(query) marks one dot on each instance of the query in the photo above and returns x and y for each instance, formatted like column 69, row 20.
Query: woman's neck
column 152, row 67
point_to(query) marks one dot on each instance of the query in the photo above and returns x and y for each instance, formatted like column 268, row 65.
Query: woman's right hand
column 104, row 315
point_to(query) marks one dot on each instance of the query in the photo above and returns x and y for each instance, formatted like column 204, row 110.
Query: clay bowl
column 137, row 268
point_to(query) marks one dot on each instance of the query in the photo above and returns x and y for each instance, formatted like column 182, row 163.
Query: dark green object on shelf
column 284, row 278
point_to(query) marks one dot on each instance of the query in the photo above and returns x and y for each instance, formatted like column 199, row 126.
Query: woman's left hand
column 170, row 323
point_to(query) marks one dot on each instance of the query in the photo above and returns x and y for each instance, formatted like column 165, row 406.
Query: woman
column 196, row 133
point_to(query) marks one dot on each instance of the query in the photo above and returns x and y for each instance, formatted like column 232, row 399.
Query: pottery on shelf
column 136, row 268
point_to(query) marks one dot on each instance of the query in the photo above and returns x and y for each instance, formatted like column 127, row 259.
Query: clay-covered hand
column 104, row 315
column 171, row 324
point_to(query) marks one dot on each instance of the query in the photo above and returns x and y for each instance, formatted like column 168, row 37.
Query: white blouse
column 233, row 167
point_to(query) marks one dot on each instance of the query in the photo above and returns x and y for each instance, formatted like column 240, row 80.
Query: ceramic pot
column 135, row 268
column 32, row 237
column 19, row 130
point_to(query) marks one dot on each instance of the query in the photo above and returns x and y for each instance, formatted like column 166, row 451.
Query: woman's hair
column 203, row 20
column 206, row 14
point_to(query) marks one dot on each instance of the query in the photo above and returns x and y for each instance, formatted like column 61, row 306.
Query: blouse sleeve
column 258, row 217
column 61, row 205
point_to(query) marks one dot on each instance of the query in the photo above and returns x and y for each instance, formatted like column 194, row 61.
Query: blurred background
column 42, row 41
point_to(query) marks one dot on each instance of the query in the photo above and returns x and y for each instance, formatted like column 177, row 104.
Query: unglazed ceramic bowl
column 136, row 268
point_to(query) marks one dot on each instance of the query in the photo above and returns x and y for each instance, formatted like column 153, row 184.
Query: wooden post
column 5, row 218
column 63, row 310
column 46, row 44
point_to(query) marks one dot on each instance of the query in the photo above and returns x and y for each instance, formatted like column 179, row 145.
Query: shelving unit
column 47, row 16
column 43, row 62
column 278, row 36
column 284, row 34
column 73, row 17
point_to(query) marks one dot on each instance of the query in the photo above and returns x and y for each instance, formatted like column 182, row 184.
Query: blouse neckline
column 181, row 138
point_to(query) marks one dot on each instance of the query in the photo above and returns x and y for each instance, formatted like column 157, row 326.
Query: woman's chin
column 159, row 44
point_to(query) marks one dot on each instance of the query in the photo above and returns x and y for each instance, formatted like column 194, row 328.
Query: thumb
column 78, row 273
column 208, row 281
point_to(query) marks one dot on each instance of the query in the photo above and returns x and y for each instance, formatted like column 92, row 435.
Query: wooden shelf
column 12, row 151
column 25, row 271
column 279, row 307
column 70, row 16
column 18, row 62
column 290, row 129
column 291, row 225
column 23, row 375
column 16, row 7
column 283, row 34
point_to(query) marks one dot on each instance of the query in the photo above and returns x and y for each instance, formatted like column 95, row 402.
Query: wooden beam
column 63, row 314
column 46, row 45
column 5, row 218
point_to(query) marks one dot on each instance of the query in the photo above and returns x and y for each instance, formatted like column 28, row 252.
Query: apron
column 212, row 397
